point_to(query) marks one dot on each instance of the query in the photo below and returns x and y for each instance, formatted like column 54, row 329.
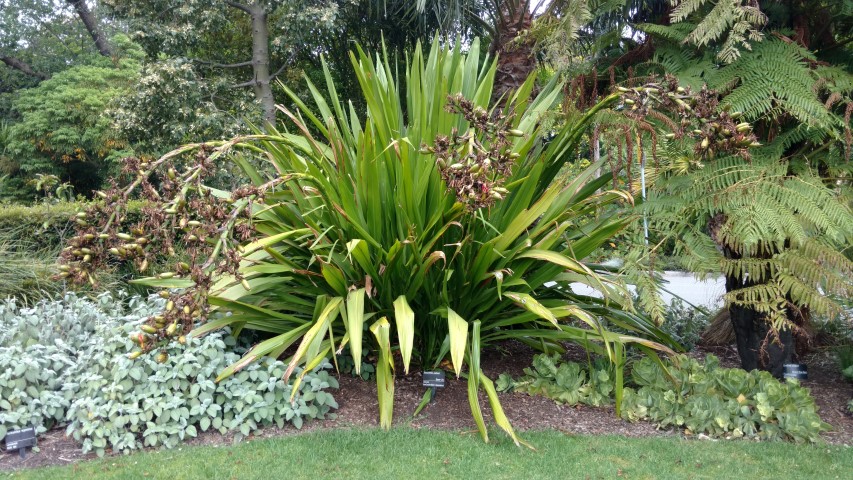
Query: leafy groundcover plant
column 731, row 402
column 66, row 362
column 428, row 228
column 698, row 397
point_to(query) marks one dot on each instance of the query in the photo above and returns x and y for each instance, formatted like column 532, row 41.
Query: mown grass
column 408, row 453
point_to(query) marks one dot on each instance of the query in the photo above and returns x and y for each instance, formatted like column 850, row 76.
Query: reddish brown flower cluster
column 475, row 164
column 182, row 224
column 718, row 131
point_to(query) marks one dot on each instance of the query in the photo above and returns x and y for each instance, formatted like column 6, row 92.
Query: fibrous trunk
column 515, row 56
column 758, row 345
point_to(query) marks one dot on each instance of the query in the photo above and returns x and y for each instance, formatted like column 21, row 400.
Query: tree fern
column 736, row 22
column 785, row 228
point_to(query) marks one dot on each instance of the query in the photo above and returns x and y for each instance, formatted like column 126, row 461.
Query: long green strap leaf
column 474, row 381
column 310, row 342
column 384, row 376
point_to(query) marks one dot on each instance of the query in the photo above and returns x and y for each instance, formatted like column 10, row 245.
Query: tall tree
column 91, row 23
column 231, row 37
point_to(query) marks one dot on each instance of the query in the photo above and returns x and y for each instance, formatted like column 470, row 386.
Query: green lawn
column 407, row 453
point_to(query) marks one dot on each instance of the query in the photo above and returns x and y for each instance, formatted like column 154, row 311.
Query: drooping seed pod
column 162, row 357
column 148, row 329
column 134, row 355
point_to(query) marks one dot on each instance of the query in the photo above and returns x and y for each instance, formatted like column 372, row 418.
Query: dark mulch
column 450, row 410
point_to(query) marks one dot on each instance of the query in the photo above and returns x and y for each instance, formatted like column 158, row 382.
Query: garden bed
column 449, row 411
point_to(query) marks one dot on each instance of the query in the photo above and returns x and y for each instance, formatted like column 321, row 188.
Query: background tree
column 254, row 41
column 39, row 39
column 62, row 129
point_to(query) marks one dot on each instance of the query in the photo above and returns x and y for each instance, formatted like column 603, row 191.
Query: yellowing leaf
column 405, row 319
column 532, row 305
column 355, row 325
column 458, row 331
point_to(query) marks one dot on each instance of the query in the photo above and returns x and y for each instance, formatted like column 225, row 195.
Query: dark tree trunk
column 91, row 26
column 22, row 67
column 757, row 345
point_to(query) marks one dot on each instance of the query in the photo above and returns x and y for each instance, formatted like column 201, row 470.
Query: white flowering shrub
column 66, row 362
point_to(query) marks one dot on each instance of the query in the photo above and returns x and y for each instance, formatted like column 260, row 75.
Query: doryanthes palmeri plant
column 430, row 227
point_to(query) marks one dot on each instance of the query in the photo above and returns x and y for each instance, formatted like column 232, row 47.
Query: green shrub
column 45, row 226
column 684, row 324
column 706, row 398
column 31, row 237
column 65, row 362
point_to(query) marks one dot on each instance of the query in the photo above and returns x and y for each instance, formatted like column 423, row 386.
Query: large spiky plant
column 379, row 233
column 428, row 228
